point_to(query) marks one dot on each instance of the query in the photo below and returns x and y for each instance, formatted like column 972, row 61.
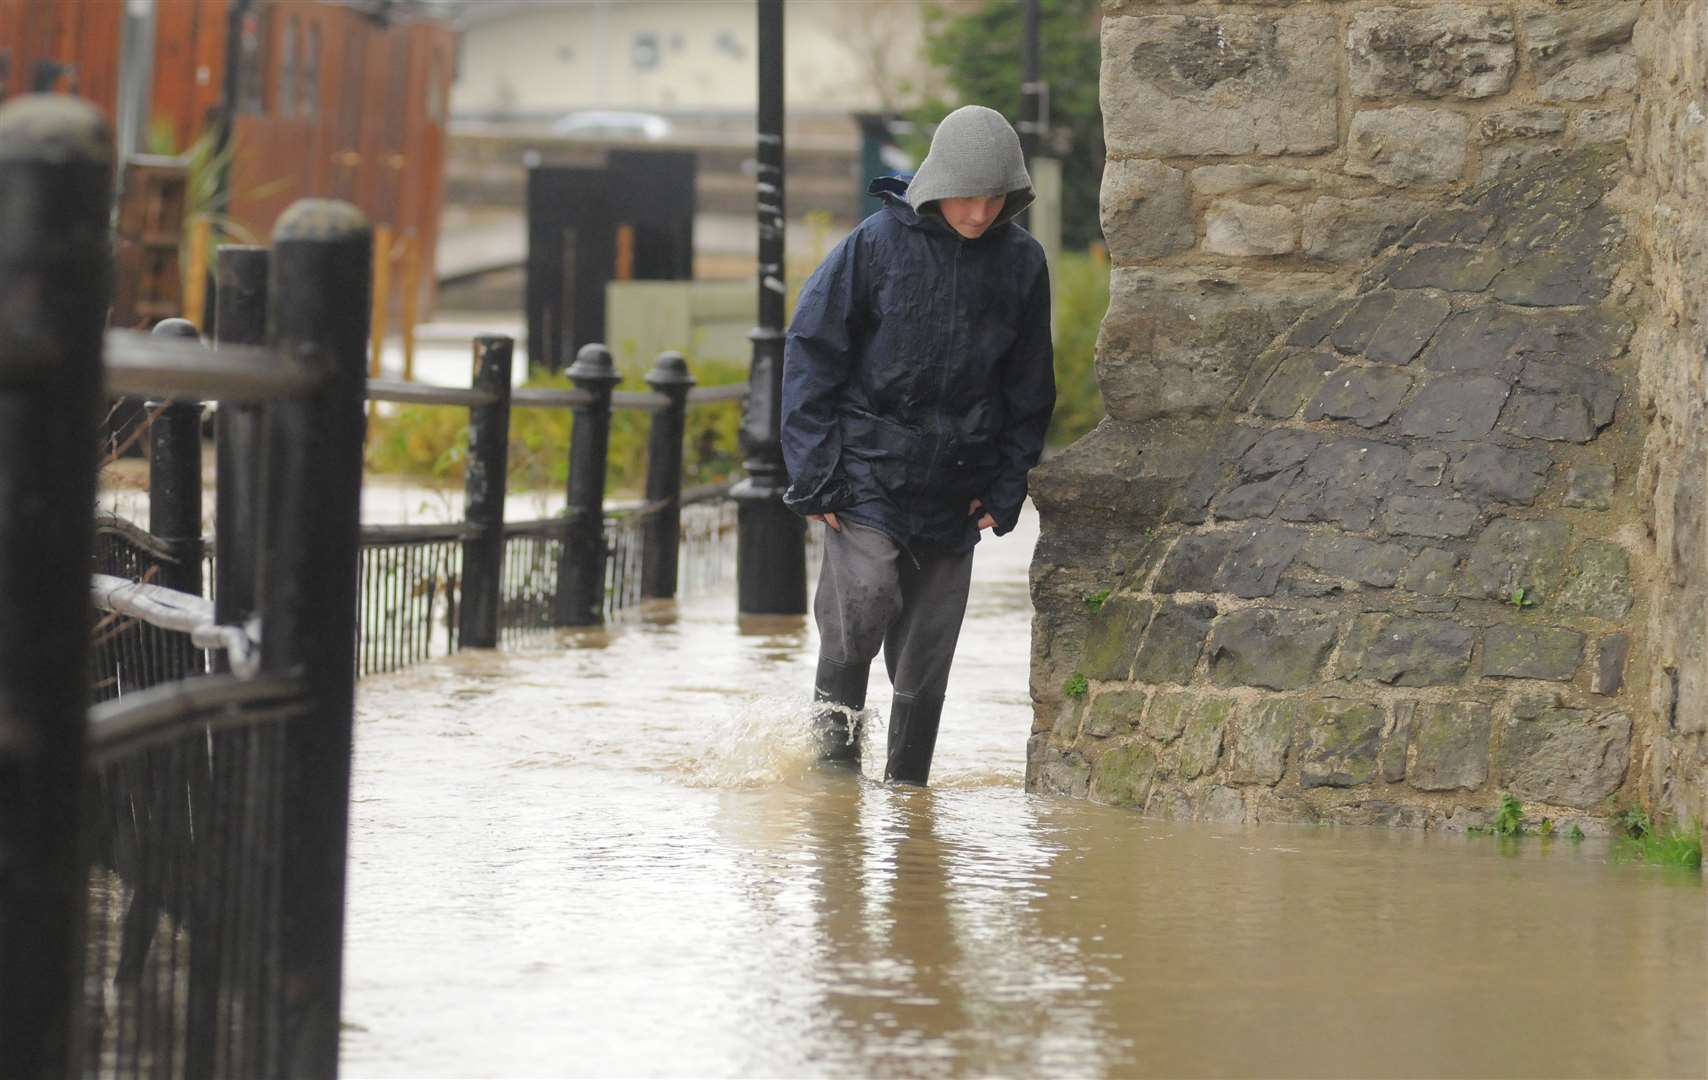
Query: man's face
column 972, row 215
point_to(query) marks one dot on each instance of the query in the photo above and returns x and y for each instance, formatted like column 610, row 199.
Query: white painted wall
column 686, row 56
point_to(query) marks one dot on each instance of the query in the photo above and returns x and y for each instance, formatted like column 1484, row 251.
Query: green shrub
column 1645, row 840
column 1076, row 686
column 1082, row 297
column 430, row 443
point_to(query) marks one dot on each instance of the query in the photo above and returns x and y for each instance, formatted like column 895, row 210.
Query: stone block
column 1362, row 323
column 1555, row 279
column 1401, row 650
column 1316, row 323
column 1293, row 383
column 1232, row 179
column 1341, row 740
column 1357, row 560
column 1201, row 745
column 1191, row 566
column 1262, row 736
column 1436, row 519
column 1450, row 746
column 1455, row 269
column 1275, row 648
column 1456, row 407
column 1353, row 230
column 1568, row 757
column 1169, row 711
column 1194, row 85
column 1255, row 500
column 1396, row 742
column 1513, row 157
column 1610, row 657
column 1552, row 417
column 1430, row 572
column 1173, row 643
column 1512, row 555
column 1144, row 210
column 1364, row 395
column 1343, row 482
column 1059, row 772
column 1114, row 713
column 1487, row 472
column 1277, row 450
column 1414, row 319
column 1255, row 565
column 1245, row 229
column 1532, row 652
column 1598, row 127
column 1589, row 487
column 1600, row 390
column 1122, row 775
column 1521, row 124
column 1582, row 52
column 1598, row 584
column 1426, row 469
column 1447, row 50
column 1068, row 719
column 1479, row 341
column 1177, row 344
column 1112, row 640
column 1408, row 145
column 1222, row 806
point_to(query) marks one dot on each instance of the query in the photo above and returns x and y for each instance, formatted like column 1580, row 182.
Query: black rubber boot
column 913, row 738
column 838, row 731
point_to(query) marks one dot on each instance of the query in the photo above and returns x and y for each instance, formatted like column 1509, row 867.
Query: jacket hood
column 975, row 153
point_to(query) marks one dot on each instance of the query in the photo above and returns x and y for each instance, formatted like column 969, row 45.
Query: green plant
column 1634, row 822
column 1076, row 686
column 1509, row 819
column 1082, row 297
column 1547, row 827
column 1096, row 600
column 1664, row 845
column 1518, row 599
column 1576, row 835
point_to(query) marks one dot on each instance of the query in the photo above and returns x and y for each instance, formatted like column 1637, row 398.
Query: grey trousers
column 873, row 594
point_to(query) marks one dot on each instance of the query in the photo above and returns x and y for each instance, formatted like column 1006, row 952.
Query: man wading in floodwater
column 917, row 384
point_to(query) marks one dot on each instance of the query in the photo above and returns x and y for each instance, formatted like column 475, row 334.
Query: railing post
column 240, row 318
column 55, row 186
column 175, row 477
column 661, row 533
column 483, row 495
column 580, row 599
column 317, row 311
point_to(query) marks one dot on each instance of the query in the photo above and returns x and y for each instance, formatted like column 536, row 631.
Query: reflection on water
column 611, row 855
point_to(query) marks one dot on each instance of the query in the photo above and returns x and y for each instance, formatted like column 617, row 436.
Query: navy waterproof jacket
column 918, row 376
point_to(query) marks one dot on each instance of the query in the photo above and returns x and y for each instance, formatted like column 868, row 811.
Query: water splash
column 765, row 740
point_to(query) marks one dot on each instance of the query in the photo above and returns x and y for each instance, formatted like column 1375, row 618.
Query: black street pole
column 771, row 565
column 1031, row 94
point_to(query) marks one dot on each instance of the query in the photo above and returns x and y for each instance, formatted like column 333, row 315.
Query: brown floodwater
column 609, row 854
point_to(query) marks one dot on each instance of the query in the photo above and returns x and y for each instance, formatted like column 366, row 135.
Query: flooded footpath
column 608, row 854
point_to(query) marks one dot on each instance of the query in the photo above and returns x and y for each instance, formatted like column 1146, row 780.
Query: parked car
column 602, row 123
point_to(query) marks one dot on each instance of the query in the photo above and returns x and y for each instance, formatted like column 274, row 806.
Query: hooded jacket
column 918, row 372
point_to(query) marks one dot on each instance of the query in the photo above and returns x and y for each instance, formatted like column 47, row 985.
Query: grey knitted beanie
column 974, row 153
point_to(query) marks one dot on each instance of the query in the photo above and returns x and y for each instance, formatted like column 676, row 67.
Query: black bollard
column 771, row 566
column 317, row 311
column 662, row 531
column 580, row 599
column 55, row 187
column 483, row 495
column 175, row 477
column 240, row 318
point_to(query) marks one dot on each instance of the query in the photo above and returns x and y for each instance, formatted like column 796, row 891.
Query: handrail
column 136, row 536
column 708, row 395
column 163, row 714
column 536, row 398
column 425, row 533
column 427, row 394
column 182, row 369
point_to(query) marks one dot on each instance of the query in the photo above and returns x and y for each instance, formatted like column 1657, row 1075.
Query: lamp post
column 771, row 575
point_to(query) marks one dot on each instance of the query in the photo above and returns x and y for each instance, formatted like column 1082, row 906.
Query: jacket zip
column 948, row 356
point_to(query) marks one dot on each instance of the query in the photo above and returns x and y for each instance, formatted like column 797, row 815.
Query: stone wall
column 1359, row 542
column 1666, row 200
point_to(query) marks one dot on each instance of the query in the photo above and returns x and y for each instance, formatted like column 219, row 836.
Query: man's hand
column 985, row 521
column 828, row 519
